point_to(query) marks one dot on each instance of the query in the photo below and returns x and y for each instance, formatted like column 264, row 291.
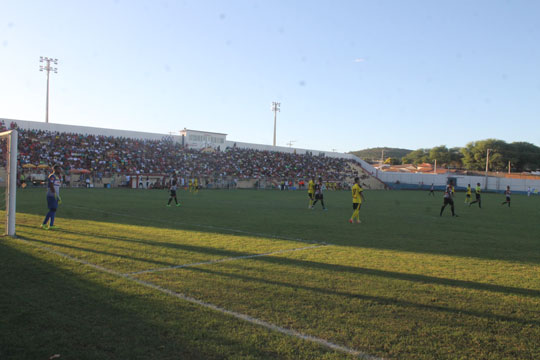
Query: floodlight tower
column 47, row 67
column 275, row 109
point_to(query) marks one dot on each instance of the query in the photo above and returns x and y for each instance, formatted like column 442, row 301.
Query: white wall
column 493, row 183
column 88, row 130
column 284, row 149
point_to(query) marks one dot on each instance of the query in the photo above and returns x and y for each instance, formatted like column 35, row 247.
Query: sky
column 349, row 75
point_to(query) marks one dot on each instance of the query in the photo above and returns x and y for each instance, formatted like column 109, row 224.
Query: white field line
column 222, row 260
column 244, row 317
column 204, row 226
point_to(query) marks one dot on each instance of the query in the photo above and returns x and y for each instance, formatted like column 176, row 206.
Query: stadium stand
column 118, row 160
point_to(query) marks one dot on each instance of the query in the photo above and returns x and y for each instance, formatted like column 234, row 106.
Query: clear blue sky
column 349, row 74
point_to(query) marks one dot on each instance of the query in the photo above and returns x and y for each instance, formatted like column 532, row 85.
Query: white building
column 195, row 139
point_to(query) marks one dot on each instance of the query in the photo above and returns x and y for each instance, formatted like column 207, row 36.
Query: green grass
column 406, row 283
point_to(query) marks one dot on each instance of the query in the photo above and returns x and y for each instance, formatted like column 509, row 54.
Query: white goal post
column 11, row 179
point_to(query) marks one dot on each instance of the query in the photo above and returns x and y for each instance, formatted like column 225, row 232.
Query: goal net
column 8, row 181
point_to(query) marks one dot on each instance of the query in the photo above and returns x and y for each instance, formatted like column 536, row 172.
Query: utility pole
column 487, row 166
column 509, row 164
column 48, row 69
column 275, row 109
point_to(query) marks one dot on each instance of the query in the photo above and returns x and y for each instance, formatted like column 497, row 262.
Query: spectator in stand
column 107, row 156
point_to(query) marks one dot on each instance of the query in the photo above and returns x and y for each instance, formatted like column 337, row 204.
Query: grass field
column 247, row 274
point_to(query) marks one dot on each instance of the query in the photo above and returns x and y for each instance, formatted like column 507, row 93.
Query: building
column 195, row 139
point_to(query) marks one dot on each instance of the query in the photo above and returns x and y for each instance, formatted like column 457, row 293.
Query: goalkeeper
column 53, row 196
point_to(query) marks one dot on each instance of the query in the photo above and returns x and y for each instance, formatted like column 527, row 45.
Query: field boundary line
column 272, row 236
column 240, row 316
column 210, row 262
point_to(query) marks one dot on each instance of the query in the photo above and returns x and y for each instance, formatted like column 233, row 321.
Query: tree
column 440, row 154
column 524, row 156
column 475, row 153
column 416, row 157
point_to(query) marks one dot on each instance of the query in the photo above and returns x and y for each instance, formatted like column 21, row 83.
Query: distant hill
column 374, row 154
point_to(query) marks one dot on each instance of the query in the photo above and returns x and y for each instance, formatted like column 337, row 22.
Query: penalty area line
column 222, row 260
column 240, row 316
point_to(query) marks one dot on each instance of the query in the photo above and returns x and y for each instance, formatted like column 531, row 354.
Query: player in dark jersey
column 172, row 189
column 477, row 194
column 448, row 200
column 507, row 193
column 319, row 194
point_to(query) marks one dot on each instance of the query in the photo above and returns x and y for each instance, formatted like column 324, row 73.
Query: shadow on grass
column 47, row 308
column 411, row 225
column 377, row 299
column 284, row 261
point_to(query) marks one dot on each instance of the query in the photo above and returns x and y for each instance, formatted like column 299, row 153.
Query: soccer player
column 448, row 200
column 507, row 193
column 477, row 194
column 432, row 190
column 319, row 194
column 53, row 197
column 468, row 194
column 172, row 188
column 196, row 185
column 311, row 192
column 357, row 198
column 190, row 185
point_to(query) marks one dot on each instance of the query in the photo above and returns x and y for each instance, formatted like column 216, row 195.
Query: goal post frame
column 11, row 181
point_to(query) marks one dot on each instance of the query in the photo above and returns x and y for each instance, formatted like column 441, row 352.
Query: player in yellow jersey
column 357, row 198
column 477, row 193
column 468, row 194
column 311, row 192
column 190, row 185
column 196, row 185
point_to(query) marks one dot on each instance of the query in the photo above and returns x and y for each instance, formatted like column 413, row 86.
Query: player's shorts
column 468, row 195
column 310, row 195
column 318, row 196
column 173, row 193
column 52, row 202
column 477, row 196
column 448, row 201
column 356, row 205
column 508, row 198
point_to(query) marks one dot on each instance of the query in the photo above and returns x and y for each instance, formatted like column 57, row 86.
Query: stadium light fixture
column 275, row 109
column 291, row 143
column 48, row 68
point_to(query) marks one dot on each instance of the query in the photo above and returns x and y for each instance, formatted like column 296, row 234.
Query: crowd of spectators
column 104, row 156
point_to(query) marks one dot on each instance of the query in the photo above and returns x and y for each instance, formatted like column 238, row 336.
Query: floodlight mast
column 47, row 67
column 275, row 109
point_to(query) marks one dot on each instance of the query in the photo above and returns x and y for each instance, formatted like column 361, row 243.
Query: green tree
column 416, row 157
column 474, row 155
column 524, row 156
column 439, row 154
